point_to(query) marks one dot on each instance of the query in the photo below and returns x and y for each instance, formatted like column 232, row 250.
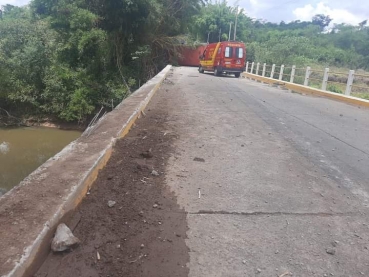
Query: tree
column 68, row 58
column 322, row 20
column 362, row 24
column 24, row 47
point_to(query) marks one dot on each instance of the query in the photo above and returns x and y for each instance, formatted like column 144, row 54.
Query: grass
column 361, row 95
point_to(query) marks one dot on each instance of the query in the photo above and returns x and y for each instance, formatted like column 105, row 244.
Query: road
column 274, row 183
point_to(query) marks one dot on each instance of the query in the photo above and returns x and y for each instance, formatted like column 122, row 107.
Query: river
column 22, row 150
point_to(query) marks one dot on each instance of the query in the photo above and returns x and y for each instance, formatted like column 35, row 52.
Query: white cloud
column 338, row 15
column 272, row 10
column 342, row 11
column 256, row 8
column 14, row 2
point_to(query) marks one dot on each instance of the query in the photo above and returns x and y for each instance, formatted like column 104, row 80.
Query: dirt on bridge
column 144, row 233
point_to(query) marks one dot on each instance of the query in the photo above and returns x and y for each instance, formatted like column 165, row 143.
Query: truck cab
column 224, row 57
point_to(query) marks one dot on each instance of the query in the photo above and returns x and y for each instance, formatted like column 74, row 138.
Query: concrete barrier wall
column 309, row 90
column 30, row 213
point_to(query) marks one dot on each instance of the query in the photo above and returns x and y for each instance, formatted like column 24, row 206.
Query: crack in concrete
column 319, row 214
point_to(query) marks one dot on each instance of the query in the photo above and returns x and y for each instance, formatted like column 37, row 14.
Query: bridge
column 218, row 176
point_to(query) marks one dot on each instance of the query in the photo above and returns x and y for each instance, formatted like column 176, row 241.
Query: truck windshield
column 239, row 53
column 228, row 52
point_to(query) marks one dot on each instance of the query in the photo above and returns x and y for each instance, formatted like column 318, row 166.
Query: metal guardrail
column 310, row 76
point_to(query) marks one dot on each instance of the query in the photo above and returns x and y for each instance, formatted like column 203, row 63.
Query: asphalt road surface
column 274, row 183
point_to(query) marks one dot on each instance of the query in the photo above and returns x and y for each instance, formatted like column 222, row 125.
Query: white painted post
column 272, row 73
column 281, row 72
column 247, row 67
column 252, row 68
column 257, row 68
column 325, row 79
column 350, row 82
column 307, row 76
column 293, row 72
column 264, row 69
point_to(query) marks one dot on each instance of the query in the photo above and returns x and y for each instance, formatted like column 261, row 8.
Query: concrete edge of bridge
column 34, row 254
column 309, row 90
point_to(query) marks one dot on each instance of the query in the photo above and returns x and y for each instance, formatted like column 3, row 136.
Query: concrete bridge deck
column 269, row 183
column 285, row 179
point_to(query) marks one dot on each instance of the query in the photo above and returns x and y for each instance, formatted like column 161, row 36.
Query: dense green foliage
column 66, row 59
column 297, row 42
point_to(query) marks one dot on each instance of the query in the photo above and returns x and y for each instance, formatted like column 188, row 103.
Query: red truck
column 224, row 57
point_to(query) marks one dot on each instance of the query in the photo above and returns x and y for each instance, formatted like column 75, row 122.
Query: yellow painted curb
column 308, row 90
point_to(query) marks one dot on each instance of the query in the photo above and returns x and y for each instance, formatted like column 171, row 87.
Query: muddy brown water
column 22, row 150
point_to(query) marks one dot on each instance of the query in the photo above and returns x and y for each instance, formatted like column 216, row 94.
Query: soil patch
column 144, row 233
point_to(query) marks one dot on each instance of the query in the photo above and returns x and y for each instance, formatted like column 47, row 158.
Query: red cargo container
column 190, row 56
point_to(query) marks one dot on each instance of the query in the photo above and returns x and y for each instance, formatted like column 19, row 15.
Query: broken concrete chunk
column 4, row 147
column 64, row 239
column 111, row 203
column 201, row 160
column 147, row 154
column 334, row 243
column 155, row 173
column 331, row 251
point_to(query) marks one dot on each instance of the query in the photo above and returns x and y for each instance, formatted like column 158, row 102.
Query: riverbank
column 8, row 120
column 56, row 125
column 44, row 123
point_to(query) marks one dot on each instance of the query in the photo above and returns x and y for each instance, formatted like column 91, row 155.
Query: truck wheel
column 238, row 74
column 216, row 72
column 201, row 70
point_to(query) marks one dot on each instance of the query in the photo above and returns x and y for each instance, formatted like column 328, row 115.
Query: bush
column 334, row 88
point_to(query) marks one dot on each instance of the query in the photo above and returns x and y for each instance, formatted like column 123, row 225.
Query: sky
column 14, row 2
column 342, row 11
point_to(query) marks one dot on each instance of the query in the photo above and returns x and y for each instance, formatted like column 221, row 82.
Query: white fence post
column 272, row 73
column 325, row 79
column 293, row 72
column 307, row 76
column 350, row 82
column 247, row 67
column 252, row 68
column 264, row 68
column 257, row 68
column 281, row 72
